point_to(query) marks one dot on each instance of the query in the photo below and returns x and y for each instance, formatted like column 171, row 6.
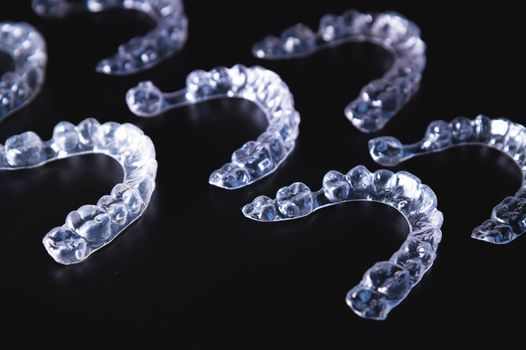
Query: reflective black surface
column 193, row 273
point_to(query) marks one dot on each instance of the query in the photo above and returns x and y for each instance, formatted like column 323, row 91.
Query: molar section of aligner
column 336, row 188
column 131, row 197
column 92, row 223
column 116, row 209
column 263, row 209
column 494, row 231
column 255, row 157
column 145, row 100
column 200, row 86
column 275, row 144
column 66, row 139
column 24, row 150
column 387, row 150
column 378, row 102
column 508, row 221
column 296, row 41
column 126, row 203
column 230, row 176
column 121, row 208
column 510, row 213
column 219, row 82
column 332, row 28
column 439, row 135
column 383, row 287
column 463, row 130
column 295, row 200
column 229, row 81
column 368, row 303
column 416, row 257
column 66, row 246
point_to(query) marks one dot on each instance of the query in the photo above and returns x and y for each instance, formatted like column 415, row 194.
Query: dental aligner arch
column 91, row 227
column 387, row 283
column 382, row 98
column 139, row 53
column 508, row 218
column 255, row 159
column 27, row 48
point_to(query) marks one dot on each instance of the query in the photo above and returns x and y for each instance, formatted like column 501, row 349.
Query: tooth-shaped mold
column 381, row 99
column 387, row 283
column 508, row 219
column 140, row 53
column 27, row 48
column 255, row 159
column 294, row 201
column 90, row 227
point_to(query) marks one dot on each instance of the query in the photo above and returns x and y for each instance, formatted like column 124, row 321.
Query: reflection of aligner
column 387, row 283
column 255, row 159
column 508, row 219
column 139, row 53
column 381, row 99
column 91, row 226
column 27, row 48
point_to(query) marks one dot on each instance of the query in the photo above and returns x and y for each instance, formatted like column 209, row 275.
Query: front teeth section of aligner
column 91, row 227
column 387, row 283
column 255, row 159
column 381, row 99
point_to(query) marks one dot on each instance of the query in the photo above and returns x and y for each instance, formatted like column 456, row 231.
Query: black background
column 193, row 273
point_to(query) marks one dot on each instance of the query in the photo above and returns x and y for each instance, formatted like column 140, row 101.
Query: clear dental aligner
column 90, row 227
column 387, row 283
column 140, row 53
column 24, row 44
column 508, row 218
column 255, row 159
column 381, row 99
